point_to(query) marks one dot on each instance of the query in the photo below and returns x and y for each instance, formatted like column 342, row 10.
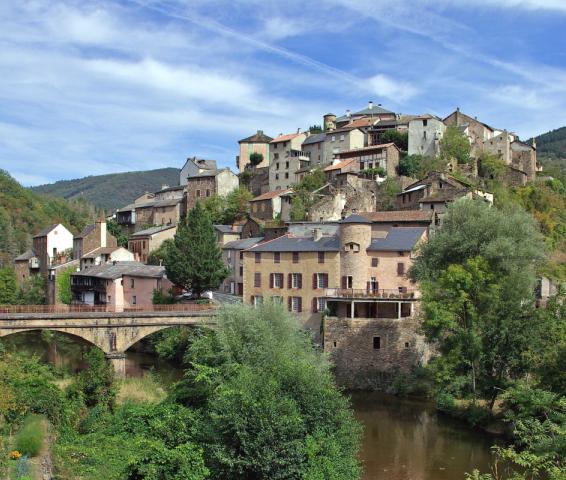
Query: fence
column 371, row 293
column 57, row 309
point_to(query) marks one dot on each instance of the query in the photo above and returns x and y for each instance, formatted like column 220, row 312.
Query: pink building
column 119, row 285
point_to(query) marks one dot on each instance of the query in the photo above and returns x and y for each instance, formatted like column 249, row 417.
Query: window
column 257, row 279
column 277, row 280
column 295, row 257
column 320, row 257
column 406, row 344
column 132, row 283
column 286, row 174
column 425, row 122
column 258, row 257
column 349, row 281
column 321, row 304
column 241, row 255
column 320, row 280
column 295, row 304
column 352, row 247
column 276, row 176
column 198, row 193
column 286, row 164
column 342, row 137
column 276, row 257
column 241, row 271
column 333, row 139
column 257, row 300
column 376, row 343
column 400, row 269
column 207, row 192
column 109, row 298
column 296, row 280
column 402, row 289
column 276, row 156
column 134, row 300
column 373, row 285
column 374, row 262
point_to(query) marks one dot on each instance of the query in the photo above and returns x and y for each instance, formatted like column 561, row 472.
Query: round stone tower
column 355, row 238
column 329, row 122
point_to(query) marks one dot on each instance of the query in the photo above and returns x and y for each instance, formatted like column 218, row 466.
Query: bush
column 29, row 439
column 445, row 402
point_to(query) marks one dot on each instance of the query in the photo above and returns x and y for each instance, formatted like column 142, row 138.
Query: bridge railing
column 177, row 307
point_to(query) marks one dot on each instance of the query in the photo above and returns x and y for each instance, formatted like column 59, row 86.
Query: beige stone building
column 233, row 255
column 257, row 143
column 210, row 183
column 385, row 156
column 267, row 206
column 142, row 243
column 227, row 233
column 102, row 255
column 358, row 279
column 92, row 237
column 285, row 158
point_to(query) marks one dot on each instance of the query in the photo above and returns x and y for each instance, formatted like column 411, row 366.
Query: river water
column 403, row 439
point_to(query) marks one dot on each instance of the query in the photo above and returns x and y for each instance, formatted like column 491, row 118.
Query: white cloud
column 394, row 90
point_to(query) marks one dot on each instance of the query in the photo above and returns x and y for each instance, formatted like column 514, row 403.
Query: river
column 403, row 439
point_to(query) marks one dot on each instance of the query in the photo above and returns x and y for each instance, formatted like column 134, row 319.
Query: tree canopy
column 454, row 146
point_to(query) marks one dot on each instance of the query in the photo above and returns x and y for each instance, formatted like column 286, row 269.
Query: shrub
column 29, row 439
column 445, row 402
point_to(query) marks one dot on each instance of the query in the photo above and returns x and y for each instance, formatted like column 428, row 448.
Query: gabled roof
column 375, row 110
column 170, row 189
column 152, row 230
column 371, row 147
column 242, row 244
column 46, row 231
column 27, row 255
column 284, row 138
column 355, row 218
column 339, row 165
column 360, row 122
column 229, row 228
column 270, row 195
column 400, row 216
column 116, row 270
column 87, row 230
column 287, row 243
column 102, row 251
column 399, row 239
column 258, row 137
column 315, row 138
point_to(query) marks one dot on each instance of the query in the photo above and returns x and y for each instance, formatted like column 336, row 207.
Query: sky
column 94, row 87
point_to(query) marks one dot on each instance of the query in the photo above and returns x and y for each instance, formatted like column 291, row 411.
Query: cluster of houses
column 343, row 271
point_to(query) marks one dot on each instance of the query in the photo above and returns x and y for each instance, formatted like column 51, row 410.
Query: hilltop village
column 332, row 220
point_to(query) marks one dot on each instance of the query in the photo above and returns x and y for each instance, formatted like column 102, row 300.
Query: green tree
column 116, row 231
column 256, row 158
column 214, row 207
column 158, row 256
column 454, row 146
column 477, row 279
column 236, row 205
column 32, row 292
column 401, row 139
column 64, row 292
column 194, row 261
column 303, row 198
column 8, row 287
column 387, row 194
column 269, row 400
column 315, row 129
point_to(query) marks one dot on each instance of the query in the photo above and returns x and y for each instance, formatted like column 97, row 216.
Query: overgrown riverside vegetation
column 257, row 401
column 499, row 359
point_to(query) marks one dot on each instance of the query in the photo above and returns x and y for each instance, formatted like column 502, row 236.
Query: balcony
column 299, row 154
column 371, row 294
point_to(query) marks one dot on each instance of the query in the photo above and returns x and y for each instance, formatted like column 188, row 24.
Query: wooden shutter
column 374, row 262
column 300, row 304
column 314, row 306
column 290, row 303
column 400, row 268
column 368, row 286
column 314, row 282
column 290, row 280
column 344, row 282
column 325, row 280
column 300, row 281
column 271, row 280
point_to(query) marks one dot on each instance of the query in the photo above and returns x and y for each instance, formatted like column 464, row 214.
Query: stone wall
column 358, row 364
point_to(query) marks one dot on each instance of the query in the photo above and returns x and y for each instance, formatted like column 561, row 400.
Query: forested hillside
column 114, row 190
column 23, row 213
column 551, row 152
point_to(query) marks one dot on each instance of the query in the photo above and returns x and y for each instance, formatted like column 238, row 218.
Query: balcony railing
column 378, row 293
column 82, row 308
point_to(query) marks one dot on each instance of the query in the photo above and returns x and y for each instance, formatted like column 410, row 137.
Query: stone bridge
column 112, row 332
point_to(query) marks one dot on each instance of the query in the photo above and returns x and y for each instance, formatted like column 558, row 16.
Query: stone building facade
column 257, row 143
column 142, row 243
column 285, row 158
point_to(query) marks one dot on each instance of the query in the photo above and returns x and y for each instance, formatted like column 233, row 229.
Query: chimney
column 457, row 109
column 316, row 234
column 370, row 104
column 348, row 114
column 299, row 130
column 260, row 132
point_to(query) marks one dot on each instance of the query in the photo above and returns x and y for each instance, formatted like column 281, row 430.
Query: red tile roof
column 340, row 165
column 284, row 138
column 269, row 195
column 371, row 147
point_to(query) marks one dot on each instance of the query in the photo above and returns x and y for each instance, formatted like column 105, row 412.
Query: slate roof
column 87, row 230
column 152, row 230
column 112, row 271
column 101, row 251
column 171, row 189
column 375, row 110
column 355, row 218
column 400, row 216
column 28, row 254
column 315, row 138
column 258, row 137
column 167, row 203
column 270, row 195
column 228, row 228
column 400, row 239
column 287, row 243
column 242, row 244
column 45, row 231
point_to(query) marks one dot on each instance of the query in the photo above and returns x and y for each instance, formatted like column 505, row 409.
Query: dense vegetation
column 257, row 401
column 114, row 190
column 225, row 210
column 23, row 213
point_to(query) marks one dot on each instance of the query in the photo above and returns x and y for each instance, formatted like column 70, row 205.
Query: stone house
column 26, row 265
column 425, row 133
column 142, row 243
column 210, row 183
column 52, row 246
column 359, row 282
column 257, row 143
column 375, row 112
column 102, row 255
column 227, row 233
column 92, row 237
column 384, row 156
column 314, row 147
column 137, row 215
column 268, row 205
column 477, row 132
column 285, row 158
column 256, row 180
column 436, row 191
column 233, row 256
column 266, row 229
column 195, row 166
column 343, row 139
column 120, row 286
column 340, row 166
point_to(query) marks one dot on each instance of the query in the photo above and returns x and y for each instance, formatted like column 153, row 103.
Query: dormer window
column 352, row 247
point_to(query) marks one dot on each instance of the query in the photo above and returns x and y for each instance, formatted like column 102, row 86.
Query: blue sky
column 96, row 87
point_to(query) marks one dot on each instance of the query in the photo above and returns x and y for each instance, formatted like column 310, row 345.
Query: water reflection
column 408, row 440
